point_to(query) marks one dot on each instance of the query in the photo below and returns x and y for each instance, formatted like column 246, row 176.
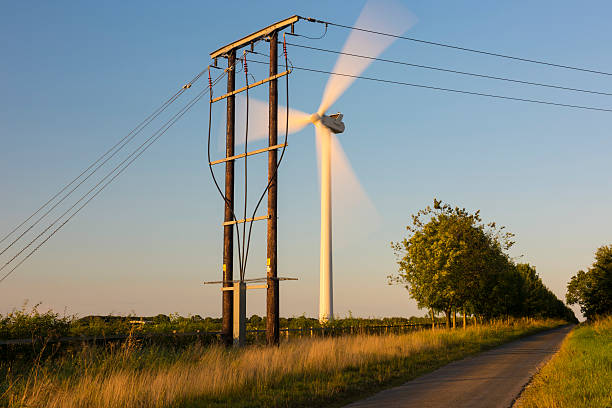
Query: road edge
column 517, row 399
column 349, row 400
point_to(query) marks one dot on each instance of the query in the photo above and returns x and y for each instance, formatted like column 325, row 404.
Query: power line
column 243, row 258
column 451, row 70
column 87, row 169
column 123, row 143
column 134, row 155
column 246, row 239
column 110, row 153
column 280, row 160
column 310, row 38
column 456, row 47
column 436, row 88
column 84, row 204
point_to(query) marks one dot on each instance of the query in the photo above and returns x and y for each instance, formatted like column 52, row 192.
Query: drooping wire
column 310, row 38
column 274, row 176
column 110, row 153
column 267, row 55
column 451, row 70
column 69, row 193
column 98, row 184
column 246, row 141
column 227, row 202
column 456, row 47
column 120, row 168
column 451, row 90
column 247, row 239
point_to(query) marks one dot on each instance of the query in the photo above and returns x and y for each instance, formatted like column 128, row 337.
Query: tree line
column 453, row 262
column 592, row 289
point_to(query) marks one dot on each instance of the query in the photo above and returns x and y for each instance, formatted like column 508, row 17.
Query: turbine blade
column 348, row 195
column 258, row 120
column 349, row 199
column 297, row 119
column 387, row 15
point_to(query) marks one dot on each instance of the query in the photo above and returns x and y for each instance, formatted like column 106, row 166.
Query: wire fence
column 253, row 335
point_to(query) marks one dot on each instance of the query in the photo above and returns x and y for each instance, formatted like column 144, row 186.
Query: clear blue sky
column 77, row 76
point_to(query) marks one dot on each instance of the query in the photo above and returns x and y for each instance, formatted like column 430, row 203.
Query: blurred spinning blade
column 385, row 16
column 258, row 120
column 392, row 17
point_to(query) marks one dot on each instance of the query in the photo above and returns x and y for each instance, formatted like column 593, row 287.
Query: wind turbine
column 386, row 16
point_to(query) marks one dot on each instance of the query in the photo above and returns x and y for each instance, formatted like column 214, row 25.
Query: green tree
column 451, row 260
column 592, row 290
column 444, row 256
column 532, row 289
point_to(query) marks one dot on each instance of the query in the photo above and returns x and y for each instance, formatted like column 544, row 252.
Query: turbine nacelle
column 332, row 122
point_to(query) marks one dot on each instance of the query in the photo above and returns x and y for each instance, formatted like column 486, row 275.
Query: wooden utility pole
column 272, row 304
column 228, row 230
column 229, row 284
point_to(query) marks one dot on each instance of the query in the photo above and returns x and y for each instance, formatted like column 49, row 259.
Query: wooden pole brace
column 263, row 81
column 240, row 156
column 256, row 280
column 231, row 288
column 263, row 217
column 257, row 287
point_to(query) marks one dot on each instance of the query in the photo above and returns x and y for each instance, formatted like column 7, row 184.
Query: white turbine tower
column 385, row 16
column 325, row 125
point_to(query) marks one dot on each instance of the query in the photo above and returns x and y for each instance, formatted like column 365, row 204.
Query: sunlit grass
column 302, row 372
column 580, row 375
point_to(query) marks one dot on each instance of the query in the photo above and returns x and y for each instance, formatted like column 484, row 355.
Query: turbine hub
column 332, row 122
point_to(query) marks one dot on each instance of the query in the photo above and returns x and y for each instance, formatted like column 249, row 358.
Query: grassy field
column 580, row 375
column 300, row 373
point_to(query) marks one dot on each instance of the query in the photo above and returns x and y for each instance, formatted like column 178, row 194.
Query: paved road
column 490, row 379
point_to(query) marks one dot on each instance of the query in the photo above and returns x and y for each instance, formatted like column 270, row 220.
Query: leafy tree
column 592, row 289
column 532, row 289
column 442, row 260
column 451, row 260
column 255, row 320
column 161, row 318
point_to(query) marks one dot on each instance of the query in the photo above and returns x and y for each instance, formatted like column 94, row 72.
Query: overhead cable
column 436, row 88
column 246, row 157
column 228, row 204
column 123, row 143
column 90, row 166
column 310, row 38
column 243, row 254
column 109, row 154
column 451, row 70
column 280, row 160
column 456, row 47
column 117, row 171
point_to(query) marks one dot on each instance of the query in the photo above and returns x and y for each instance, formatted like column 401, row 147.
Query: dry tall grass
column 214, row 373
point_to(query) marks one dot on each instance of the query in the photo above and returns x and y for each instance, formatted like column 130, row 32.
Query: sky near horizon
column 77, row 76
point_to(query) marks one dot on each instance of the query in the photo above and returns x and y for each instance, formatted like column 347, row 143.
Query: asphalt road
column 490, row 379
